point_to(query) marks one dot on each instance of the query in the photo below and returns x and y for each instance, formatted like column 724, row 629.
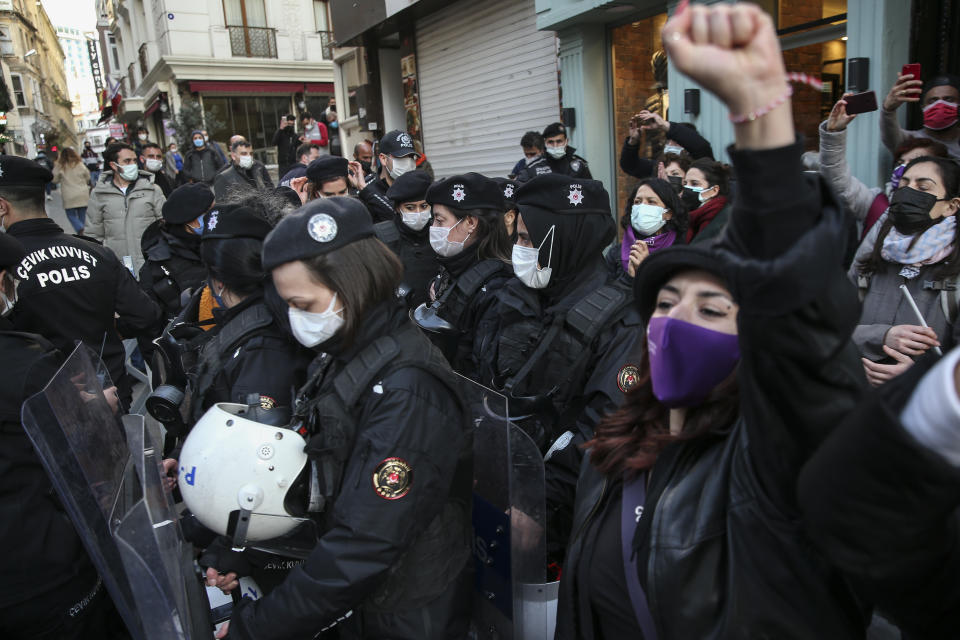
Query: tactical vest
column 325, row 412
column 165, row 286
column 456, row 298
column 388, row 234
column 248, row 323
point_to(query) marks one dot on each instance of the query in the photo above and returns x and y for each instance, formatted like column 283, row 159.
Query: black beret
column 234, row 221
column 20, row 172
column 554, row 129
column 509, row 188
column 11, row 251
column 467, row 191
column 327, row 168
column 660, row 266
column 397, row 144
column 558, row 193
column 410, row 187
column 318, row 227
column 187, row 202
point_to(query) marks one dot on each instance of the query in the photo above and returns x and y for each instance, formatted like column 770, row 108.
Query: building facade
column 32, row 63
column 82, row 81
column 248, row 62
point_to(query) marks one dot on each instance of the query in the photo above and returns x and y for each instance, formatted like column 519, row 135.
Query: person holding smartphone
column 939, row 98
column 286, row 141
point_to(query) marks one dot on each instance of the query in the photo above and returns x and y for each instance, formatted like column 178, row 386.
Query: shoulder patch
column 266, row 402
column 575, row 165
column 392, row 478
column 628, row 377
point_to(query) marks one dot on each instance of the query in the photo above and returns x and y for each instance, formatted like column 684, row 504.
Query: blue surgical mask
column 198, row 143
column 332, row 125
column 217, row 296
column 198, row 230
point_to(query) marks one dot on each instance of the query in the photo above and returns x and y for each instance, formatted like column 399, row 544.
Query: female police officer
column 383, row 414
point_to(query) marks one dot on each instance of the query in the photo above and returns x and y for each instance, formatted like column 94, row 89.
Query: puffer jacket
column 119, row 220
column 201, row 165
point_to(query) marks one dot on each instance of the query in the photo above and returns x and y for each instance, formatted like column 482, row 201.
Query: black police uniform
column 569, row 165
column 388, row 430
column 48, row 585
column 398, row 144
column 567, row 353
column 411, row 246
column 70, row 287
column 466, row 289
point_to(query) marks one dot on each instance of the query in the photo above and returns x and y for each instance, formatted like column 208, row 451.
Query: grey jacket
column 884, row 305
column 855, row 196
column 891, row 134
column 118, row 220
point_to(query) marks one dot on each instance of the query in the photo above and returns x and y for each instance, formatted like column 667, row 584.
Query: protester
column 560, row 157
column 151, row 159
column 396, row 156
column 363, row 153
column 705, row 189
column 938, row 98
column 680, row 137
column 286, row 141
column 142, row 136
column 654, row 218
column 123, row 205
column 244, row 173
column 202, row 162
column 340, row 285
column 91, row 160
column 314, row 133
column 532, row 145
column 687, row 520
column 172, row 164
column 74, row 179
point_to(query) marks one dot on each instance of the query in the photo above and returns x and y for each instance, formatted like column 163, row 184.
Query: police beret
column 187, row 202
column 397, row 144
column 554, row 129
column 558, row 193
column 660, row 266
column 467, row 191
column 509, row 188
column 11, row 251
column 410, row 187
column 327, row 168
column 20, row 172
column 318, row 227
column 234, row 221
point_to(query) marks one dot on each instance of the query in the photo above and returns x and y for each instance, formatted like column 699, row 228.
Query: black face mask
column 690, row 198
column 366, row 167
column 676, row 182
column 910, row 210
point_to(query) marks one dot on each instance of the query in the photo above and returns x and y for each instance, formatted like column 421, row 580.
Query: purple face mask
column 896, row 175
column 688, row 361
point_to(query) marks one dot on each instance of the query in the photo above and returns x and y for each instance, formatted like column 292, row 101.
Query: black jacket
column 696, row 145
column 374, row 195
column 721, row 550
column 44, row 551
column 201, row 165
column 410, row 415
column 70, row 289
column 569, row 165
column 286, row 140
column 233, row 179
column 172, row 266
column 884, row 508
column 418, row 257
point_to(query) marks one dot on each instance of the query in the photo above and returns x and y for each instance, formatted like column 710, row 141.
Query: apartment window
column 37, row 96
column 114, row 54
column 321, row 15
column 247, row 25
column 17, row 83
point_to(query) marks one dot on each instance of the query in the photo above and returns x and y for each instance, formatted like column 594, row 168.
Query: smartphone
column 861, row 102
column 912, row 68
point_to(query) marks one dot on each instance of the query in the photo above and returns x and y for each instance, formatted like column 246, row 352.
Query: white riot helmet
column 241, row 478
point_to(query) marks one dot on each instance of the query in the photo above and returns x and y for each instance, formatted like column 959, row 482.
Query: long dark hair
column 236, row 263
column 716, row 173
column 950, row 174
column 664, row 190
column 630, row 439
column 363, row 274
column 492, row 239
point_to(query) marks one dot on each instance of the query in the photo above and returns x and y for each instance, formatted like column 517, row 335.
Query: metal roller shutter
column 486, row 76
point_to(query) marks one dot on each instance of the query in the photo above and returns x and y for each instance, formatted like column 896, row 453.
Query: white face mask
column 557, row 152
column 442, row 245
column 647, row 218
column 7, row 303
column 245, row 162
column 152, row 165
column 142, row 136
column 530, row 159
column 673, row 149
column 402, row 166
column 416, row 220
column 129, row 172
column 310, row 329
column 525, row 261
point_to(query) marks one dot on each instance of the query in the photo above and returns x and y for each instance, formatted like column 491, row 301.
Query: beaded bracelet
column 762, row 111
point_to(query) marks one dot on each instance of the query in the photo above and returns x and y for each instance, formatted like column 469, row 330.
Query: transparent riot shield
column 116, row 501
column 513, row 599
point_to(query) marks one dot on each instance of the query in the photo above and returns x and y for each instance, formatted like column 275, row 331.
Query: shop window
column 17, row 83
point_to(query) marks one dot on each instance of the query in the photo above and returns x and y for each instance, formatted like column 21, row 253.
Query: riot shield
column 116, row 501
column 513, row 598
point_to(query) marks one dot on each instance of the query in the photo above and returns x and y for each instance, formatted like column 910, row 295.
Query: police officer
column 389, row 433
column 558, row 157
column 396, row 155
column 408, row 235
column 469, row 236
column 48, row 586
column 327, row 176
column 171, row 248
column 70, row 287
column 510, row 204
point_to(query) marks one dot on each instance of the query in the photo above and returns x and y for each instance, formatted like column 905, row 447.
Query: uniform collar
column 34, row 227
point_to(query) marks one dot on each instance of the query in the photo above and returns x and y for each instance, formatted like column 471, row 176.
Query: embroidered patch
column 405, row 140
column 508, row 191
column 576, row 195
column 266, row 402
column 322, row 228
column 213, row 220
column 458, row 193
column 628, row 377
column 392, row 478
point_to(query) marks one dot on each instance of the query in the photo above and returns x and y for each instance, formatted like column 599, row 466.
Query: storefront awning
column 223, row 86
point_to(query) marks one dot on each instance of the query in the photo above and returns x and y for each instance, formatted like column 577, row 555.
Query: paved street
column 56, row 212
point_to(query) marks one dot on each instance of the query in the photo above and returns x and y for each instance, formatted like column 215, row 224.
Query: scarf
column 933, row 245
column 654, row 243
column 702, row 215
